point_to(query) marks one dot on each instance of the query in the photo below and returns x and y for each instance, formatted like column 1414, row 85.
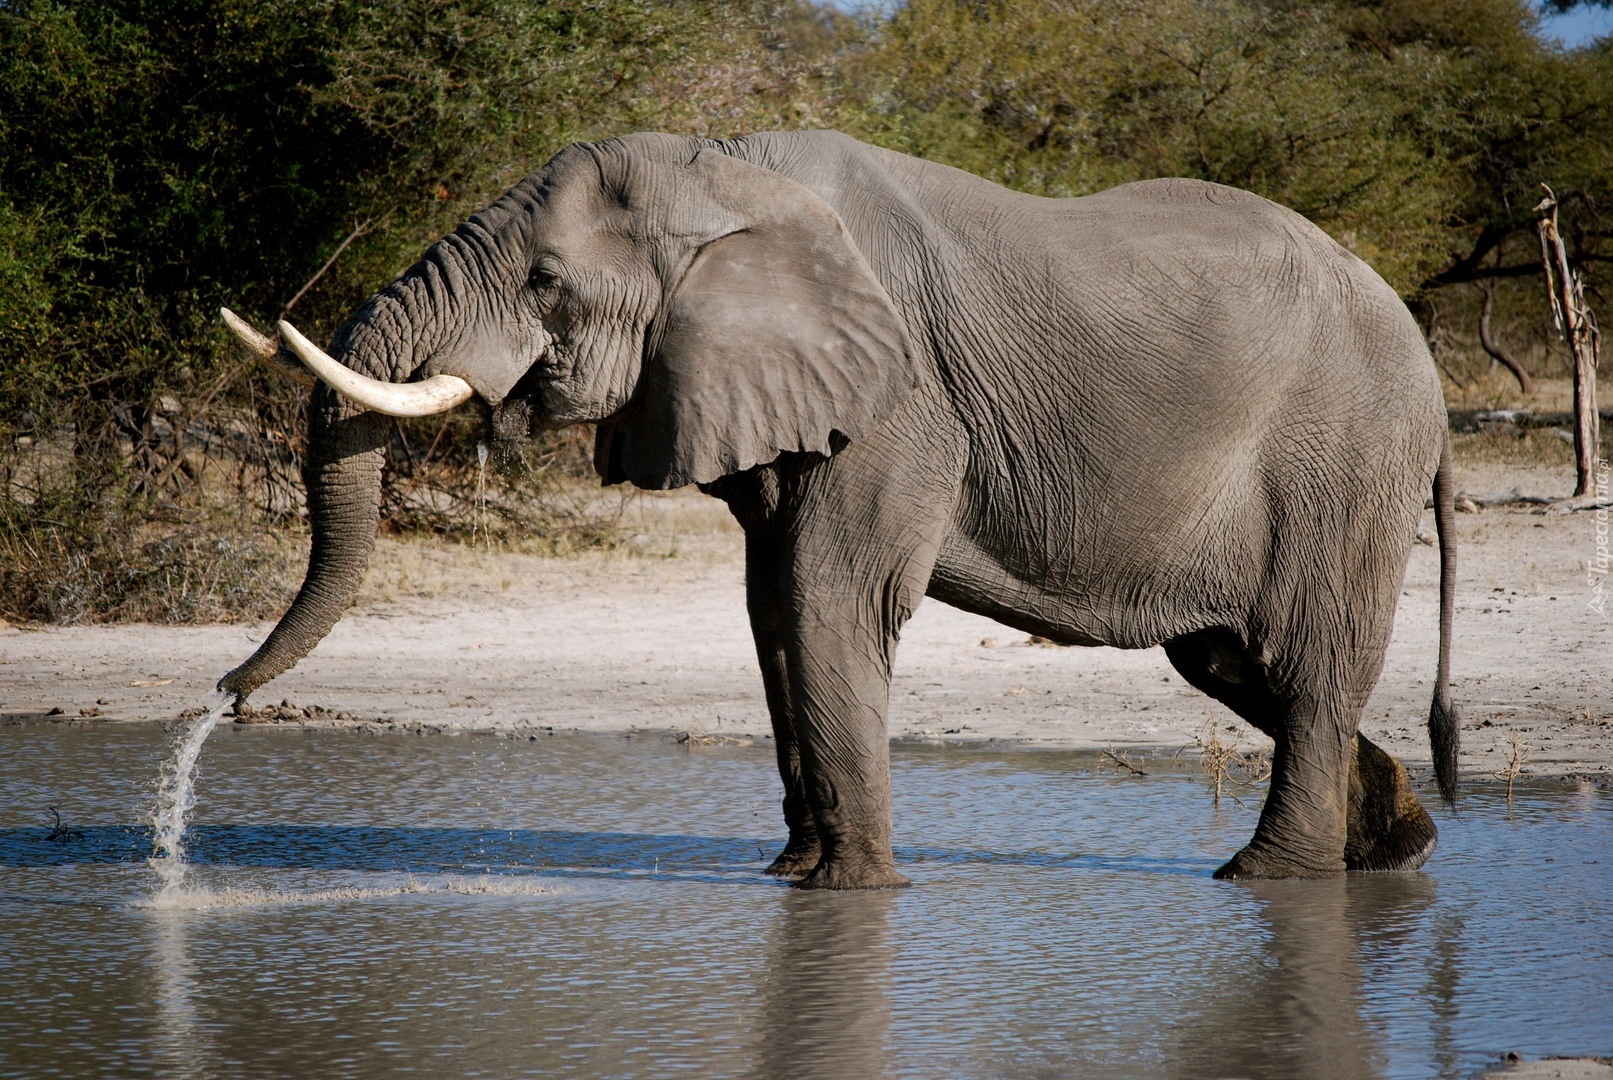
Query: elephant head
column 708, row 313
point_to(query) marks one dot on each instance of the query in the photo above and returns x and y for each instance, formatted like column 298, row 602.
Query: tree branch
column 1493, row 347
column 1468, row 267
column 358, row 231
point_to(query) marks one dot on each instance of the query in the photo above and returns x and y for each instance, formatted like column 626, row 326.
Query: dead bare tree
column 1577, row 327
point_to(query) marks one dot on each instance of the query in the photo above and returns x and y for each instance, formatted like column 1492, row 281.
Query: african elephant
column 1168, row 413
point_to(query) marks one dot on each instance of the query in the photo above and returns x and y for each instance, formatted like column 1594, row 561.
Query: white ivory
column 264, row 348
column 426, row 398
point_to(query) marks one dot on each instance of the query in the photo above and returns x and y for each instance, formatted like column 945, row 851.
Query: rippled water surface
column 591, row 906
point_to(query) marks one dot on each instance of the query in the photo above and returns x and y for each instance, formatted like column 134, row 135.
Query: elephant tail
column 1444, row 725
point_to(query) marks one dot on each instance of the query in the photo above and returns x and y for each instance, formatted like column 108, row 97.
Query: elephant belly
column 1076, row 605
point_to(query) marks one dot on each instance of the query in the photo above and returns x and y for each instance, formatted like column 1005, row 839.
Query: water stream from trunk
column 176, row 794
column 479, row 515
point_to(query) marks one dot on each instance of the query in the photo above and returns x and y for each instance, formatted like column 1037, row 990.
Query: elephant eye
column 543, row 279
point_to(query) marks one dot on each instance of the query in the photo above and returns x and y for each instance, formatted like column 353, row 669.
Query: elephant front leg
column 762, row 570
column 802, row 851
column 833, row 573
column 841, row 609
column 841, row 687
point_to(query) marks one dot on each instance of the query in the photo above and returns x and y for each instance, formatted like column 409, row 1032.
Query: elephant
column 1170, row 413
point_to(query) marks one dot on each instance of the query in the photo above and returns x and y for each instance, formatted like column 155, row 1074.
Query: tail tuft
column 1445, row 743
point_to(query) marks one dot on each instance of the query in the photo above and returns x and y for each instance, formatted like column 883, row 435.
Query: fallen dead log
column 1473, row 501
column 1470, row 421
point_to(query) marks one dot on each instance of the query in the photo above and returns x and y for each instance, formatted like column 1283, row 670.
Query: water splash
column 243, row 896
column 176, row 794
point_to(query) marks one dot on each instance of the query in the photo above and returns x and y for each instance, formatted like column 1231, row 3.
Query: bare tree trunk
column 1578, row 329
column 1493, row 347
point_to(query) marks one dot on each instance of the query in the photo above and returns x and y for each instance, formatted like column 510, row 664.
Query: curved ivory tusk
column 265, row 348
column 434, row 395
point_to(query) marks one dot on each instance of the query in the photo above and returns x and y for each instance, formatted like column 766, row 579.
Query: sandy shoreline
column 656, row 638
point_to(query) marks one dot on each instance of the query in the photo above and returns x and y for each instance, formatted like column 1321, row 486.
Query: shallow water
column 593, row 906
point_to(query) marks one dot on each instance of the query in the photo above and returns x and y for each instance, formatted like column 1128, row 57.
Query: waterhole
column 593, row 906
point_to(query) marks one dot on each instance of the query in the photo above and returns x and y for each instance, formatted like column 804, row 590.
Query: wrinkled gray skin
column 1169, row 413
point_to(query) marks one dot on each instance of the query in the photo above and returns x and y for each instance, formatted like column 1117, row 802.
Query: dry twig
column 1123, row 763
column 1514, row 766
column 61, row 834
column 692, row 737
column 359, row 229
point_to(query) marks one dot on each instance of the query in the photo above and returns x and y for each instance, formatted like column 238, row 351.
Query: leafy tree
column 158, row 157
column 161, row 158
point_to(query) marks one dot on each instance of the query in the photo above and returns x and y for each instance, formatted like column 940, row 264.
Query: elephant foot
column 852, row 874
column 795, row 860
column 1388, row 829
column 1256, row 864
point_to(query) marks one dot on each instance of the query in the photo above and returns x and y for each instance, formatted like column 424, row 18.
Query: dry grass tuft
column 1514, row 447
column 1227, row 766
column 202, row 521
column 219, row 570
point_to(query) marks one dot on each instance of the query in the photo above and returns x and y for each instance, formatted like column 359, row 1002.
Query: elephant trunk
column 363, row 379
column 342, row 474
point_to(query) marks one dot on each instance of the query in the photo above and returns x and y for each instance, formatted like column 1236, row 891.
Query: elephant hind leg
column 1216, row 662
column 1302, row 824
column 1313, row 824
column 1388, row 829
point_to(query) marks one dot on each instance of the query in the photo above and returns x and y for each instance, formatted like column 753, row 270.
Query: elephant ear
column 777, row 338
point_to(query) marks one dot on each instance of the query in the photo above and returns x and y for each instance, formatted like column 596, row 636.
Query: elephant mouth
column 509, row 424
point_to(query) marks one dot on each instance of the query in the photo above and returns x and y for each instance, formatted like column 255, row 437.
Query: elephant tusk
column 426, row 398
column 265, row 348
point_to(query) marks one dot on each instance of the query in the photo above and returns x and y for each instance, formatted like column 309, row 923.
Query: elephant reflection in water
column 828, row 1000
column 1295, row 1011
column 1299, row 1012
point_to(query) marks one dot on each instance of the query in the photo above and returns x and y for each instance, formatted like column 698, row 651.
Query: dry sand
column 655, row 637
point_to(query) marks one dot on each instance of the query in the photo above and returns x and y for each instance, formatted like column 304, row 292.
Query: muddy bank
column 655, row 637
